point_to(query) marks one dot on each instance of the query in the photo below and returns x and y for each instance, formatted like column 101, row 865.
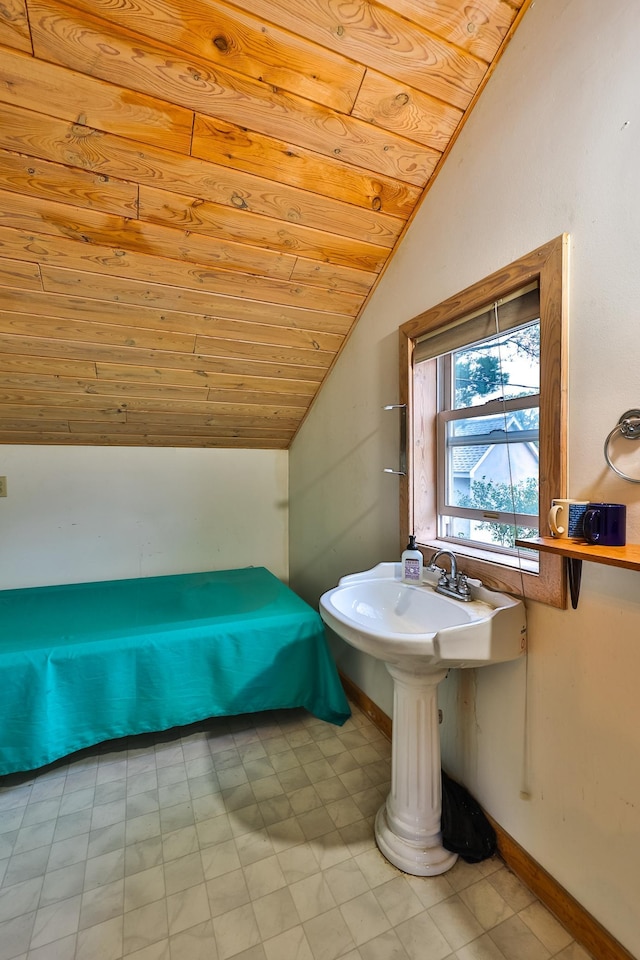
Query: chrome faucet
column 455, row 585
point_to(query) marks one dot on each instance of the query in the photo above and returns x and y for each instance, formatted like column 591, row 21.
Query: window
column 488, row 440
column 483, row 379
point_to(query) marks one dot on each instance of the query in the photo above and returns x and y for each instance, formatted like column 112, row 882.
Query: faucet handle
column 463, row 585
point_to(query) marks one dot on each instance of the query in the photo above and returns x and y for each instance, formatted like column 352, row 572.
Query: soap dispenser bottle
column 412, row 562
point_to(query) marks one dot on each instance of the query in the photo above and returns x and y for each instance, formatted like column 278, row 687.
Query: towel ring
column 628, row 426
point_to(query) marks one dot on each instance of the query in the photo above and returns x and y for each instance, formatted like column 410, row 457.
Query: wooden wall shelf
column 576, row 551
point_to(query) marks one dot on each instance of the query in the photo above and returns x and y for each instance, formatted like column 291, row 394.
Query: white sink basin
column 419, row 634
column 409, row 624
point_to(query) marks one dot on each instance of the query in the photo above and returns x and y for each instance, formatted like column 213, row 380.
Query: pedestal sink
column 420, row 635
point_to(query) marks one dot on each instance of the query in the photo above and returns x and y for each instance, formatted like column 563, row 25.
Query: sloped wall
column 550, row 746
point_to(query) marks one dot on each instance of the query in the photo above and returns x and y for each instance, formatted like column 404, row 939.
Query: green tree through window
column 520, row 497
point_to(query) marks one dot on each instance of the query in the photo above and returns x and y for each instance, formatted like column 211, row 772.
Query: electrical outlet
column 3, row 486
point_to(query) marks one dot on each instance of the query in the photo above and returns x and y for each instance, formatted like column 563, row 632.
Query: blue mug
column 605, row 524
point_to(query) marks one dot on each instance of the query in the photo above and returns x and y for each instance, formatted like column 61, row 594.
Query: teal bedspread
column 88, row 662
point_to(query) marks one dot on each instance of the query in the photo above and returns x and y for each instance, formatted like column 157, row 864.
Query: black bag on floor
column 465, row 829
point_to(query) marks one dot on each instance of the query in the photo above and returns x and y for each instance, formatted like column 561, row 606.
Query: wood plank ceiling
column 197, row 198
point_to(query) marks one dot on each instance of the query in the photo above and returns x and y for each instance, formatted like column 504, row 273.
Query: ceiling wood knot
column 221, row 43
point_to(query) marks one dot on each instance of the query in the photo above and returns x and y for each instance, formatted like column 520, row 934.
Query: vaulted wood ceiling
column 197, row 198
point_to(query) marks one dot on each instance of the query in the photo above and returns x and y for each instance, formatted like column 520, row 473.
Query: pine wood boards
column 198, row 197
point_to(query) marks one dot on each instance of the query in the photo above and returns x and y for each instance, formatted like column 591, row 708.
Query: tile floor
column 247, row 837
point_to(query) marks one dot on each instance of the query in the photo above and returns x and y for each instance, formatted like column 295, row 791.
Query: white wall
column 77, row 514
column 552, row 146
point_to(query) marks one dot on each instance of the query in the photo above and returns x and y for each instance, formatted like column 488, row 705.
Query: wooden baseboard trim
column 584, row 928
column 368, row 707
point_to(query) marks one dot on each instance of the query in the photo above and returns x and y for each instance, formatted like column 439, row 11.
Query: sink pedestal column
column 408, row 823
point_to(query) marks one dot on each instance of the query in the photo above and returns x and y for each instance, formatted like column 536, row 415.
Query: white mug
column 566, row 516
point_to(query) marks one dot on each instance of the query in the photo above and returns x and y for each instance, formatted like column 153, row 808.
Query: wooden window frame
column 548, row 265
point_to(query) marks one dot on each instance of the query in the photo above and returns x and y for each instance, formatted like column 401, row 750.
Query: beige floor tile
column 291, row 945
column 298, row 862
column 145, row 926
column 486, row 904
column 254, row 846
column 456, row 922
column 375, row 868
column 181, row 843
column 276, row 913
column 316, row 823
column 284, row 834
column 430, row 890
column 236, row 931
column 26, row 866
column 15, row 935
column 545, row 927
column 573, row 952
column 188, row 908
column 421, row 938
column 104, row 940
column 64, row 949
column 107, row 839
column 155, row 951
column 195, row 943
column 264, row 876
column 219, row 859
column 344, row 812
column 103, row 870
column 312, row 896
column 183, row 873
column 37, row 835
column 328, row 935
column 385, row 947
column 511, row 889
column 329, row 849
column 62, row 884
column 346, row 881
column 142, row 855
column 55, row 921
column 515, row 940
column 364, row 918
column 144, row 887
column 246, row 819
column 142, row 827
column 227, row 892
column 20, row 898
column 481, row 949
column 267, row 788
column 398, row 900
column 102, row 903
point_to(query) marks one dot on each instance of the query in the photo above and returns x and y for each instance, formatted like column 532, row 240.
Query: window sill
column 463, row 550
column 496, row 571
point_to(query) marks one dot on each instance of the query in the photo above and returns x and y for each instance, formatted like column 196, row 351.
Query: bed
column 89, row 662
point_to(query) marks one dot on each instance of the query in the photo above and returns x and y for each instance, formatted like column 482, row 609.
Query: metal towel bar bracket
column 628, row 426
column 402, row 407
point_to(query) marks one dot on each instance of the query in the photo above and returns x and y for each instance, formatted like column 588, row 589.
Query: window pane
column 504, row 366
column 498, row 470
column 504, row 427
column 492, row 476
